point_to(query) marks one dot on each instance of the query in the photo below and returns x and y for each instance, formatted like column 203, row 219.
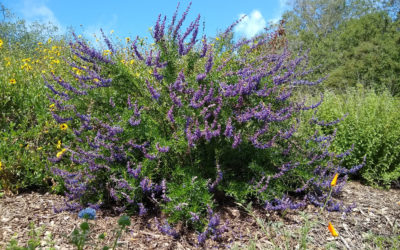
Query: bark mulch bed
column 374, row 223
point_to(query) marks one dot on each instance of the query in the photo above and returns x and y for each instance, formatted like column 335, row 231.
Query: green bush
column 372, row 125
column 28, row 133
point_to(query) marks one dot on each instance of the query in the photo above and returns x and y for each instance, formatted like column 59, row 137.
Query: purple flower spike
column 152, row 91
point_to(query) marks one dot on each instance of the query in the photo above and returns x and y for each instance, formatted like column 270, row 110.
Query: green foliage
column 309, row 21
column 34, row 241
column 18, row 34
column 391, row 241
column 187, row 196
column 354, row 42
column 372, row 126
column 362, row 51
column 27, row 131
column 80, row 238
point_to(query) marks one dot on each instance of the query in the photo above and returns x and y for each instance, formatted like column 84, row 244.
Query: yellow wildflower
column 52, row 107
column 77, row 71
column 96, row 80
column 334, row 180
column 127, row 40
column 132, row 61
column 49, row 40
column 60, row 153
column 106, row 52
column 26, row 66
column 1, row 43
column 58, row 144
column 0, row 161
column 332, row 230
column 217, row 38
column 64, row 126
column 12, row 81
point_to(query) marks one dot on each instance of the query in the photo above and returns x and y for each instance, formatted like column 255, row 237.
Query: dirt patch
column 373, row 223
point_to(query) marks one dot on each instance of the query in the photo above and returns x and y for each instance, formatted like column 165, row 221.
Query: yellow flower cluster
column 1, row 43
column 52, row 107
column 107, row 52
column 8, row 61
column 77, row 71
column 26, row 66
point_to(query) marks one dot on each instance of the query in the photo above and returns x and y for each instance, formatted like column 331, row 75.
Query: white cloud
column 251, row 24
column 38, row 11
column 283, row 6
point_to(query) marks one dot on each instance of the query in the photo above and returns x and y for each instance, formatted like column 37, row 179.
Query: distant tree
column 16, row 31
column 352, row 41
column 362, row 51
column 311, row 20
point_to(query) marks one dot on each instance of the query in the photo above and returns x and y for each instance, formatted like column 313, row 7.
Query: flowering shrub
column 190, row 120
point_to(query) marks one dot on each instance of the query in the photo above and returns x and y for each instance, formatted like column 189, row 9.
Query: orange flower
column 332, row 230
column 334, row 180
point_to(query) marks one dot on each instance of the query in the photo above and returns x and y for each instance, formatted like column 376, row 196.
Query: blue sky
column 134, row 17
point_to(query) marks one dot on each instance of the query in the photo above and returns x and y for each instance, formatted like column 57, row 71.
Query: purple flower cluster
column 214, row 228
column 167, row 229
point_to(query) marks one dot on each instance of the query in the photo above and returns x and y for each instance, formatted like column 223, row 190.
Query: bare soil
column 374, row 223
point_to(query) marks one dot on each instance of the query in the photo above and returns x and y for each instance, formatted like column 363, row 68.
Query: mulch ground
column 375, row 222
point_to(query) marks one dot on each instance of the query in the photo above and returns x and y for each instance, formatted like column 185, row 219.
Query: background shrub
column 27, row 131
column 372, row 126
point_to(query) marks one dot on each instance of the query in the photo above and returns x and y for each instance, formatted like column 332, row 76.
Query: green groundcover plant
column 178, row 123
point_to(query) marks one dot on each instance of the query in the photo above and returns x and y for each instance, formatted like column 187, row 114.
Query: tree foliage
column 355, row 42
